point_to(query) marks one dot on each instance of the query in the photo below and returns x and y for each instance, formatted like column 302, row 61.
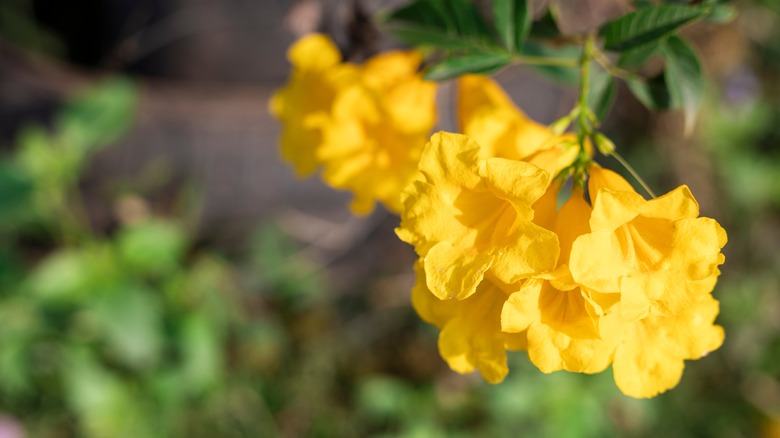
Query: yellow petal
column 528, row 251
column 304, row 104
column 314, row 52
column 612, row 209
column 593, row 262
column 473, row 339
column 546, row 207
column 409, row 106
column 453, row 273
column 478, row 91
column 649, row 357
column 516, row 181
column 451, row 159
column 555, row 154
column 486, row 114
column 522, row 307
column 677, row 204
column 551, row 350
column 388, row 69
column 601, row 178
column 430, row 308
column 566, row 312
column 427, row 218
column 376, row 131
column 697, row 247
column 640, row 367
column 572, row 222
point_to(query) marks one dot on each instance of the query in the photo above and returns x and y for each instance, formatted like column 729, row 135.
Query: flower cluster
column 365, row 125
column 603, row 278
column 607, row 278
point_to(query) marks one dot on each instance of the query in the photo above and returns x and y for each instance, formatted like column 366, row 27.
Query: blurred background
column 163, row 273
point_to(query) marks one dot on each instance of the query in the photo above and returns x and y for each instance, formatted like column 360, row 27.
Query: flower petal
column 522, row 307
column 601, row 178
column 454, row 273
column 473, row 339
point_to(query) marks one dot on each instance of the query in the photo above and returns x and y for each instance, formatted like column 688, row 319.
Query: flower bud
column 604, row 144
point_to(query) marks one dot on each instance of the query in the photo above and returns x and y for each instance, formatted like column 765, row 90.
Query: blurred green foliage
column 127, row 334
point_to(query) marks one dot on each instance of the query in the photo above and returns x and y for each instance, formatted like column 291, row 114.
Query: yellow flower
column 561, row 318
column 468, row 218
column 365, row 125
column 661, row 260
column 487, row 115
column 473, row 223
column 471, row 337
column 641, row 249
column 377, row 130
column 304, row 104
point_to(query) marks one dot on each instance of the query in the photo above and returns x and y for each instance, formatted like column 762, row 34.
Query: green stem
column 545, row 62
column 633, row 173
column 612, row 69
column 583, row 124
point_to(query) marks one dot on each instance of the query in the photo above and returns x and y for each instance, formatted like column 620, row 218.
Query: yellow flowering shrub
column 364, row 125
column 607, row 278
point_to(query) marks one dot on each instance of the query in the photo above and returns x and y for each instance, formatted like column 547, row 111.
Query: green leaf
column 64, row 276
column 73, row 274
column 722, row 14
column 99, row 116
column 522, row 16
column 201, row 353
column 15, row 366
column 602, row 93
column 384, row 397
column 684, row 78
column 648, row 24
column 44, row 159
column 512, row 20
column 152, row 247
column 637, row 57
column 545, row 27
column 459, row 65
column 131, row 321
column 16, row 187
column 104, row 403
column 446, row 24
column 652, row 93
column 503, row 12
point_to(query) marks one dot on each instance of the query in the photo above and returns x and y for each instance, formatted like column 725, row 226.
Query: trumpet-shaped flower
column 642, row 249
column 377, row 129
column 661, row 260
column 487, row 115
column 364, row 125
column 561, row 318
column 469, row 217
column 303, row 105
